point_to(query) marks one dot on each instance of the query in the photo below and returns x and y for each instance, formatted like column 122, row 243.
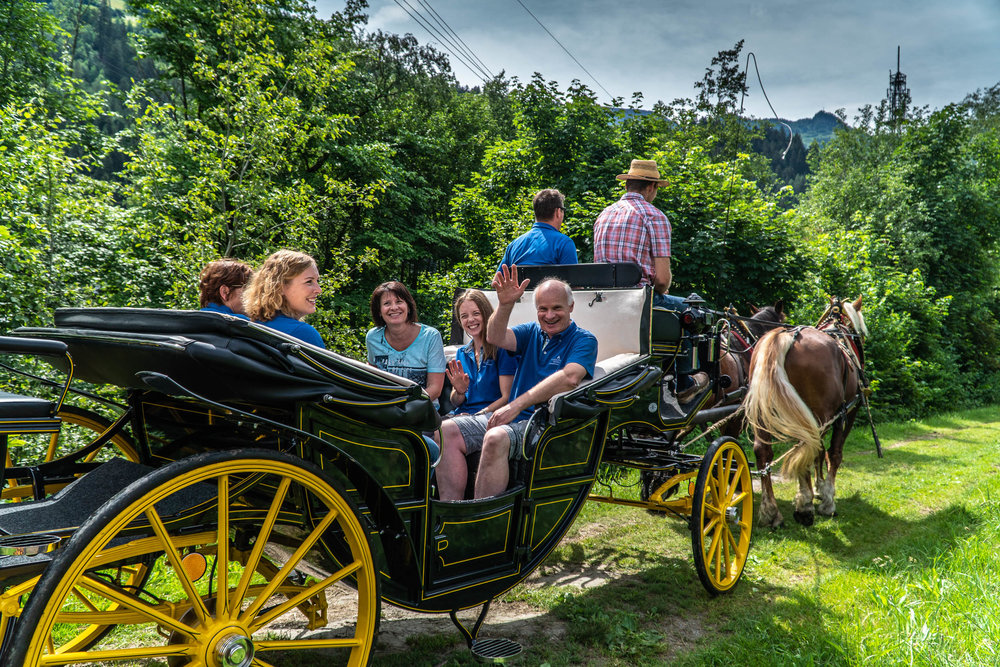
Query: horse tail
column 773, row 405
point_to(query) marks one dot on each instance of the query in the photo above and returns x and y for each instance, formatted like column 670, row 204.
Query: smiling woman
column 401, row 345
column 283, row 292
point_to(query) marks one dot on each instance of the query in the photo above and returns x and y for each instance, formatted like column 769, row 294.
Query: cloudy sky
column 811, row 55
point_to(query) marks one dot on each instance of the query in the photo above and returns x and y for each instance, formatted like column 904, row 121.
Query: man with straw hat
column 633, row 230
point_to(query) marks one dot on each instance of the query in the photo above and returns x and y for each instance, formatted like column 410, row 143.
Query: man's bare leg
column 452, row 470
column 493, row 475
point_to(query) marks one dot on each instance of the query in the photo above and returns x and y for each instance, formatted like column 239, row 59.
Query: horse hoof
column 805, row 518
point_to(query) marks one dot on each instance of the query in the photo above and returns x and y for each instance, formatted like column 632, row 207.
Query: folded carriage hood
column 229, row 359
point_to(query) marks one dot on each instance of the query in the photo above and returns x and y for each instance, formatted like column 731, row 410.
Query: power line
column 566, row 50
column 420, row 19
column 444, row 24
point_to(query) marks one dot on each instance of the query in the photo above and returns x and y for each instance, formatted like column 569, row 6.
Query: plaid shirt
column 632, row 230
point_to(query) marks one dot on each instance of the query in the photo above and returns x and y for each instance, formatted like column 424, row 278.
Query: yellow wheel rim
column 188, row 622
column 722, row 516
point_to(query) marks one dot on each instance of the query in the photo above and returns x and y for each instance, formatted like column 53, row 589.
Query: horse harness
column 835, row 324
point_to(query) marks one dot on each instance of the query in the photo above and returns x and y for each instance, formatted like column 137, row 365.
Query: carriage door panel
column 474, row 541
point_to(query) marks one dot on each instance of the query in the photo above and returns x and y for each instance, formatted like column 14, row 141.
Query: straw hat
column 643, row 170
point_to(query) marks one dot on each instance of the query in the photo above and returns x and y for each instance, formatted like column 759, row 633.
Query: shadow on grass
column 862, row 532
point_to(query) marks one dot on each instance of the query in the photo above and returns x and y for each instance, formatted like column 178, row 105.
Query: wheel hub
column 234, row 650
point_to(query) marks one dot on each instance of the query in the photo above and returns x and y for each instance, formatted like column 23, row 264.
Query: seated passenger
column 544, row 243
column 283, row 292
column 481, row 374
column 221, row 286
column 401, row 345
column 556, row 355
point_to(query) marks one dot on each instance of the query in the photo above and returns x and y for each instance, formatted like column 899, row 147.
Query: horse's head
column 764, row 319
column 845, row 314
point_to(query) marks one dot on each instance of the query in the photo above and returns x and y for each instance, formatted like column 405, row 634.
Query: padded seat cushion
column 15, row 405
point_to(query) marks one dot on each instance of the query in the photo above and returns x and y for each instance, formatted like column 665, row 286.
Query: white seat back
column 619, row 318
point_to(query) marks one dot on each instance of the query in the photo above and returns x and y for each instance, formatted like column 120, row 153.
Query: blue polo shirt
column 221, row 308
column 542, row 244
column 484, row 381
column 297, row 328
column 541, row 356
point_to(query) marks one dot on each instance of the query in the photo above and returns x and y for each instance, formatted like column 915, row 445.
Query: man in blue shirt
column 556, row 355
column 543, row 243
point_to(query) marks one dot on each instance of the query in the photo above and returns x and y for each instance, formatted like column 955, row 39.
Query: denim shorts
column 474, row 427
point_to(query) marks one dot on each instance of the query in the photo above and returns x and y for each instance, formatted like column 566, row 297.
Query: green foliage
column 242, row 126
column 27, row 49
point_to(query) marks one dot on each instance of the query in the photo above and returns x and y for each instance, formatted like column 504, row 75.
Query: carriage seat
column 14, row 405
column 618, row 318
column 585, row 276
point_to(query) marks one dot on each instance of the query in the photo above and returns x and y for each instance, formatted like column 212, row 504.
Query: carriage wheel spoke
column 258, row 548
column 294, row 560
column 175, row 562
column 222, row 551
column 315, row 589
column 100, row 588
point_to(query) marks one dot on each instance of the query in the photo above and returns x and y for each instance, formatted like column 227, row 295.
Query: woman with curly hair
column 282, row 292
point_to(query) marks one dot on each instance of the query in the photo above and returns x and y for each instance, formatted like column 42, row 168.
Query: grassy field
column 904, row 575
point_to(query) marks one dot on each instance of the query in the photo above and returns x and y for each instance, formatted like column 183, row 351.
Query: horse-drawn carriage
column 252, row 473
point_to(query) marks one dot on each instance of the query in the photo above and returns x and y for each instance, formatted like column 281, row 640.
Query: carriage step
column 28, row 545
column 495, row 650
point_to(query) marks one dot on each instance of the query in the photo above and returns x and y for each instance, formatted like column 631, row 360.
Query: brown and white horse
column 804, row 381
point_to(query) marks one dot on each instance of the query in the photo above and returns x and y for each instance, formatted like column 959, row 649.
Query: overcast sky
column 811, row 55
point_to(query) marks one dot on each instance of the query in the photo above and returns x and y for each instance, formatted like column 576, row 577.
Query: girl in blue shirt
column 283, row 292
column 481, row 373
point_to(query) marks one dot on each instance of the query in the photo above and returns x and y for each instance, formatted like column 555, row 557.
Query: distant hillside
column 818, row 128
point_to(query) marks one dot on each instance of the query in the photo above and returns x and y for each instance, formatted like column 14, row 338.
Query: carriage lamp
column 28, row 545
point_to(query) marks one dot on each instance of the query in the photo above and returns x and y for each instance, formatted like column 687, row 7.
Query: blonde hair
column 264, row 297
column 485, row 310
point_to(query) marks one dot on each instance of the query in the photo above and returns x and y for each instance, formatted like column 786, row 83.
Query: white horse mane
column 857, row 319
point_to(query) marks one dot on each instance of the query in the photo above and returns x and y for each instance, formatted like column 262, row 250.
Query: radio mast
column 897, row 94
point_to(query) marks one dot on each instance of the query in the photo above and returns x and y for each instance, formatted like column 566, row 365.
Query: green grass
column 905, row 574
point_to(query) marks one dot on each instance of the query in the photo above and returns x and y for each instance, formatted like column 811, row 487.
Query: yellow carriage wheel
column 263, row 595
column 722, row 516
column 79, row 428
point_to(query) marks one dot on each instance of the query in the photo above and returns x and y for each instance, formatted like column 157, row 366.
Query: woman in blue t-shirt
column 481, row 373
column 283, row 292
column 401, row 345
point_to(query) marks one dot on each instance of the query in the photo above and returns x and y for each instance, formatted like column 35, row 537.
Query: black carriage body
column 201, row 381
column 246, row 385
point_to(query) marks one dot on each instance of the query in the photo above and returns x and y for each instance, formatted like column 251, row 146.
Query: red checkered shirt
column 632, row 230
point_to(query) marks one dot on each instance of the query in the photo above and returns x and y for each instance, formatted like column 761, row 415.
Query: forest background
column 139, row 141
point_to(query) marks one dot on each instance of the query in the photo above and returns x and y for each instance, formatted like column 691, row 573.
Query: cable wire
column 445, row 42
column 467, row 50
column 610, row 96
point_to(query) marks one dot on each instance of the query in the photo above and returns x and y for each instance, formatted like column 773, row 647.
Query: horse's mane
column 857, row 319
